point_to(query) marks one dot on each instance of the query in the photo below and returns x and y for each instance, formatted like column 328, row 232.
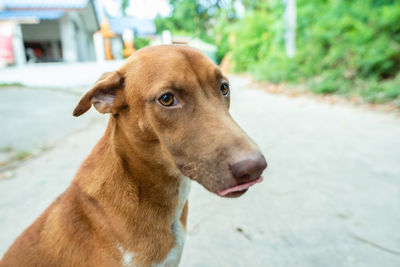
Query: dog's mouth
column 240, row 189
column 214, row 185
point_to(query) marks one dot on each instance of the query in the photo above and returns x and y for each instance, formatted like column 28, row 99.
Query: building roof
column 31, row 14
column 33, row 11
column 140, row 26
column 43, row 4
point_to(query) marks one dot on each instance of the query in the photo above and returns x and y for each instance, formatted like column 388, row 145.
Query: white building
column 50, row 30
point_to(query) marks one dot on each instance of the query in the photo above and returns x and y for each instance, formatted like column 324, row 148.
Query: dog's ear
column 103, row 95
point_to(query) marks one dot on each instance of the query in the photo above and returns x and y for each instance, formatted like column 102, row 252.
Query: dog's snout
column 249, row 167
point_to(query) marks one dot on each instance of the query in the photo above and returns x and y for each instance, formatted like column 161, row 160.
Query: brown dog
column 127, row 205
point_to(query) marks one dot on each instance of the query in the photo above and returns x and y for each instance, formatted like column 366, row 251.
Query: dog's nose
column 249, row 167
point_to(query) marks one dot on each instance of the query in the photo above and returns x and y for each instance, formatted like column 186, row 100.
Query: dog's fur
column 127, row 205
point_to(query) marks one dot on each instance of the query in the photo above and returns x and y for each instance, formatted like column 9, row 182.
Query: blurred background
column 346, row 47
column 316, row 83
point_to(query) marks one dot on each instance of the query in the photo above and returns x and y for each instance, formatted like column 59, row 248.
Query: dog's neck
column 130, row 163
column 136, row 193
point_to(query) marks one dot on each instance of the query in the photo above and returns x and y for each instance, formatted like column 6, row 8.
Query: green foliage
column 141, row 42
column 343, row 46
column 259, row 36
column 13, row 84
column 22, row 155
column 384, row 91
column 124, row 6
column 195, row 18
column 6, row 149
column 224, row 27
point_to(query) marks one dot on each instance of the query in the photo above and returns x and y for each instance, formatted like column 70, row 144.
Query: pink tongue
column 240, row 187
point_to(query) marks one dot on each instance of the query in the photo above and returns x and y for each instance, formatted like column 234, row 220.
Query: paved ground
column 33, row 116
column 57, row 75
column 330, row 197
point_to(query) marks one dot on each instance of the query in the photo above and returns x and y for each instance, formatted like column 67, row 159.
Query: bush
column 346, row 47
column 380, row 92
column 141, row 42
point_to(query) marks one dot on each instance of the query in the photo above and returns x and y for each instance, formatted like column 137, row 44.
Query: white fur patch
column 174, row 255
column 127, row 257
column 184, row 190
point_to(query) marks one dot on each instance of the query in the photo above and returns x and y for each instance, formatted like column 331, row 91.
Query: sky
column 145, row 9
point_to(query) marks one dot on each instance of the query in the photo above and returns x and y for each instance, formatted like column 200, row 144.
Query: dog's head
column 174, row 101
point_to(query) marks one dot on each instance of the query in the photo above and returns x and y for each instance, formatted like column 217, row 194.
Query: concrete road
column 331, row 194
column 31, row 118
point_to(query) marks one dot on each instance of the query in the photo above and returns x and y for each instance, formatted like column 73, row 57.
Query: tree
column 197, row 18
column 124, row 6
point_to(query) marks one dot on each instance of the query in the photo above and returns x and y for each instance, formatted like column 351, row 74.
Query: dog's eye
column 167, row 99
column 225, row 89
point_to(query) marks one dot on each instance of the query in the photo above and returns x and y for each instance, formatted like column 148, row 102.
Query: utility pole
column 290, row 18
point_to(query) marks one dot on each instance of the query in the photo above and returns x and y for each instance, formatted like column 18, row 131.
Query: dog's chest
column 174, row 255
